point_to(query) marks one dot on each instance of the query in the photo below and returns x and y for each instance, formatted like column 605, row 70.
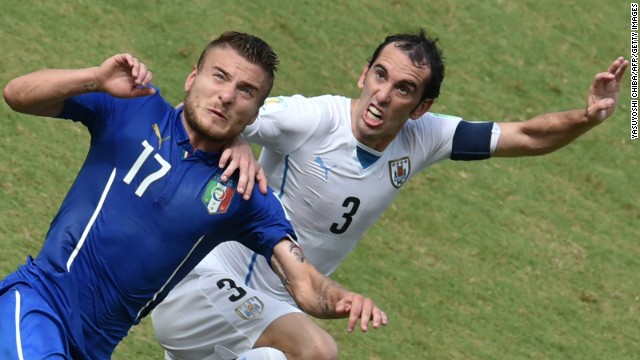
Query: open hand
column 605, row 90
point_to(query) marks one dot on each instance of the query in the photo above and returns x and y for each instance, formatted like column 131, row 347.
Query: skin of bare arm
column 317, row 294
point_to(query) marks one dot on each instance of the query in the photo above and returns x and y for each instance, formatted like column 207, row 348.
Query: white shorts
column 213, row 308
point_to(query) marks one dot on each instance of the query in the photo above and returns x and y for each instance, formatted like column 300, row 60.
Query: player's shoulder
column 433, row 122
column 432, row 116
column 299, row 102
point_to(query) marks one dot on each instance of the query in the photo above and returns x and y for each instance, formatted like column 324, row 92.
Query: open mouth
column 374, row 114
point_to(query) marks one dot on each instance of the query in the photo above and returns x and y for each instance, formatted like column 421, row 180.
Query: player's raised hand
column 124, row 76
column 604, row 91
column 363, row 309
column 239, row 156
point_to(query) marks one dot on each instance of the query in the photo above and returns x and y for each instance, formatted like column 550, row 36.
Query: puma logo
column 324, row 167
column 156, row 129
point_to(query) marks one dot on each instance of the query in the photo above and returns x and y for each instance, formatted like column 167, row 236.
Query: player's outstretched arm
column 43, row 92
column 317, row 294
column 548, row 132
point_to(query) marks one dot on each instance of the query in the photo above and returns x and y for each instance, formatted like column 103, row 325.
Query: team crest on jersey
column 250, row 309
column 399, row 171
column 217, row 196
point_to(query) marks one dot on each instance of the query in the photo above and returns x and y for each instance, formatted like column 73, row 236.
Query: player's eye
column 247, row 91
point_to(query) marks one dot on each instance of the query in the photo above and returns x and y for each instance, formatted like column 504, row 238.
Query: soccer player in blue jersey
column 338, row 163
column 148, row 204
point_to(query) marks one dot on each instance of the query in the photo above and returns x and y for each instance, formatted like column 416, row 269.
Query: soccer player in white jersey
column 337, row 164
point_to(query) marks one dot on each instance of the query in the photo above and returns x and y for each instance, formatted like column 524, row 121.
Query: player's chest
column 344, row 168
column 174, row 182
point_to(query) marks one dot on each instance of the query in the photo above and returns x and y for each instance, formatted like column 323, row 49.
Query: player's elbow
column 16, row 96
column 11, row 97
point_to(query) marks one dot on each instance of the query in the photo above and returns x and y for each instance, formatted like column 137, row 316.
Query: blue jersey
column 142, row 212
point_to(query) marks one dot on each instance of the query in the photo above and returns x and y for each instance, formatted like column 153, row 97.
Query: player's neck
column 201, row 142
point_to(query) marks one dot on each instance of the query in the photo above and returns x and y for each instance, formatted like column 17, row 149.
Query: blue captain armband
column 472, row 141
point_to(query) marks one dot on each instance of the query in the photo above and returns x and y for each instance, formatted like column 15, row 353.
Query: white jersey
column 310, row 156
column 333, row 189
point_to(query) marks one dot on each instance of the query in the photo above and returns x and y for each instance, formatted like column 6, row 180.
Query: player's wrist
column 91, row 83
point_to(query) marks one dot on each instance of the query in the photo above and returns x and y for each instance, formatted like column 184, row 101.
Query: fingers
column 615, row 72
column 618, row 67
column 382, row 319
column 612, row 77
column 621, row 69
column 139, row 72
column 262, row 180
column 247, row 174
column 365, row 316
column 123, row 75
column 143, row 91
column 354, row 314
column 224, row 159
column 364, row 309
column 250, row 181
column 603, row 76
column 233, row 159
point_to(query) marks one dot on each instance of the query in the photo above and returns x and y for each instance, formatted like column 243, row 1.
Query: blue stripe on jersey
column 254, row 258
column 284, row 176
column 252, row 265
column 472, row 141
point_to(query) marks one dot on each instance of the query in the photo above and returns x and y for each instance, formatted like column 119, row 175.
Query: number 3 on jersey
column 352, row 204
column 238, row 290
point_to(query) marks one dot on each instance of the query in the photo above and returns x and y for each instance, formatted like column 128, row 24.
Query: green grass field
column 531, row 258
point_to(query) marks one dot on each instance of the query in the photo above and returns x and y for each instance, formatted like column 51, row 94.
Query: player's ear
column 192, row 76
column 422, row 108
column 363, row 76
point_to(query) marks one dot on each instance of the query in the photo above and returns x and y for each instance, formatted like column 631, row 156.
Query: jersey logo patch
column 399, row 170
column 217, row 196
column 250, row 309
column 156, row 130
column 324, row 167
column 273, row 104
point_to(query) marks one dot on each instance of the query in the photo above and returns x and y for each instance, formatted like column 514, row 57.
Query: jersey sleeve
column 430, row 137
column 438, row 137
column 284, row 123
column 98, row 110
column 266, row 224
column 89, row 109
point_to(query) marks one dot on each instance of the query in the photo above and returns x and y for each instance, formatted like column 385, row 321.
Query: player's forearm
column 321, row 299
column 555, row 130
column 314, row 293
column 43, row 92
column 542, row 134
column 328, row 294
